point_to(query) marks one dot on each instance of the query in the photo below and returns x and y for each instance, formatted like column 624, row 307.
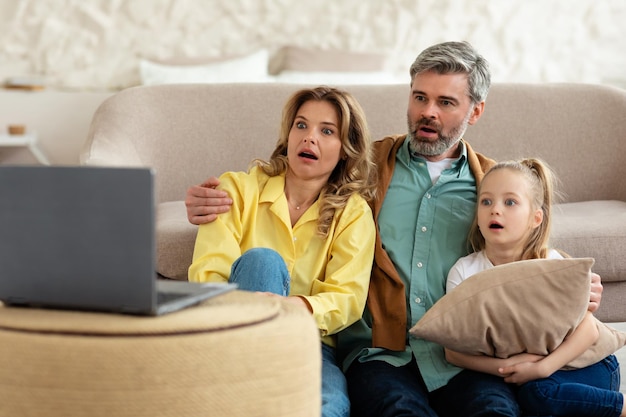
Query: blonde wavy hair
column 542, row 189
column 354, row 174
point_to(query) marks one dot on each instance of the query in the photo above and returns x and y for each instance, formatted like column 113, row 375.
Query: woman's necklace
column 294, row 205
column 299, row 206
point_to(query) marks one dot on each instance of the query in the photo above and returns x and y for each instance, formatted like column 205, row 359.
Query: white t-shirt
column 436, row 168
column 471, row 264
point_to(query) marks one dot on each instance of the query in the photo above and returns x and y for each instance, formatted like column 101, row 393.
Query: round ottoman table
column 239, row 354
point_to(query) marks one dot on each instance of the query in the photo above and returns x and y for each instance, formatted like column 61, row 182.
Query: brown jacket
column 387, row 299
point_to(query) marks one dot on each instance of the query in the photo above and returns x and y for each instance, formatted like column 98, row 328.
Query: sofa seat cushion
column 601, row 236
column 239, row 354
column 595, row 229
column 176, row 238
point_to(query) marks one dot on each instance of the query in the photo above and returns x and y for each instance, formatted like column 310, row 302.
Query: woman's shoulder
column 356, row 212
column 248, row 186
column 357, row 202
column 254, row 176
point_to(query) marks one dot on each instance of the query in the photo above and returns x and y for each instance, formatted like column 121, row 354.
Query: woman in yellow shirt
column 300, row 225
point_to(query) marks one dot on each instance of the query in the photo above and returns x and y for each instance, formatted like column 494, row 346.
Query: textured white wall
column 96, row 44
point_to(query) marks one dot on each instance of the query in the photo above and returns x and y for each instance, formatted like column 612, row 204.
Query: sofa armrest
column 107, row 142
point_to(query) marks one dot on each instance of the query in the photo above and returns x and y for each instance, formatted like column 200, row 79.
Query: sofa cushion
column 336, row 77
column 176, row 238
column 295, row 58
column 601, row 235
column 307, row 66
column 526, row 306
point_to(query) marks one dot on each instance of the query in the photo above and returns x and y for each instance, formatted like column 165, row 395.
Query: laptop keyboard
column 164, row 297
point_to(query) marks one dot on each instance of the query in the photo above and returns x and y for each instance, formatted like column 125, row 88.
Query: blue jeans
column 590, row 391
column 335, row 401
column 378, row 389
column 262, row 269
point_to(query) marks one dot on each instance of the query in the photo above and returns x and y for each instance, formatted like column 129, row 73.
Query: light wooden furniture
column 27, row 141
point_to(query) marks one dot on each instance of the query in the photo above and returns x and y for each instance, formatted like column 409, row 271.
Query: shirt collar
column 274, row 188
column 405, row 154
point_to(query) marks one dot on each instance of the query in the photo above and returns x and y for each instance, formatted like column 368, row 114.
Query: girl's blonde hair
column 355, row 172
column 542, row 184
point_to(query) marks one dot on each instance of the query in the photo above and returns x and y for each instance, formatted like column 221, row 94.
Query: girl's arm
column 573, row 346
column 487, row 364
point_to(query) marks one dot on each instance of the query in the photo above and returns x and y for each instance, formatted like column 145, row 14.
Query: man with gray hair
column 431, row 174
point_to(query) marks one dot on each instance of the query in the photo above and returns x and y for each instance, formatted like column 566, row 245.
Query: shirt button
column 419, row 264
column 418, row 300
column 295, row 238
column 424, row 228
column 427, row 195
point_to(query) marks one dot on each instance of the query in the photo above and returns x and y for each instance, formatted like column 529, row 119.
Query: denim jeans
column 335, row 402
column 378, row 389
column 262, row 269
column 590, row 391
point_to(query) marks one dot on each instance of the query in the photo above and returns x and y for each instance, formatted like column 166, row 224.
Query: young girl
column 300, row 225
column 512, row 223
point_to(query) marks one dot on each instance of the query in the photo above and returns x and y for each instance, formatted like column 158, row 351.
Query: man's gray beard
column 442, row 144
column 439, row 147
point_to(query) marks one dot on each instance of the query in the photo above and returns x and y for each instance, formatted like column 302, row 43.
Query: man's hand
column 596, row 293
column 204, row 202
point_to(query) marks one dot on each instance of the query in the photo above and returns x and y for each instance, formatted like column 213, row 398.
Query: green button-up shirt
column 424, row 228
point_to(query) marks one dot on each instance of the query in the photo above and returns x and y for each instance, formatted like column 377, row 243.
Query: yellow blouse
column 332, row 274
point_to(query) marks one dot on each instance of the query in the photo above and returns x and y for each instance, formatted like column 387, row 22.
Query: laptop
column 83, row 238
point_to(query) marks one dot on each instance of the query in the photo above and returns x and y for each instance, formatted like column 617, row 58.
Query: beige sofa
column 190, row 132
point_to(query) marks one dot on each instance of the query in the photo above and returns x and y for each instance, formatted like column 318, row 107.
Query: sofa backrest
column 579, row 129
column 190, row 132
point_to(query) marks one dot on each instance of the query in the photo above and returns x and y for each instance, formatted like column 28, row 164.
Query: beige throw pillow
column 527, row 306
column 300, row 65
column 295, row 58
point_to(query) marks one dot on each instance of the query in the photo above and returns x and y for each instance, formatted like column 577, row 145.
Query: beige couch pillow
column 295, row 58
column 298, row 65
column 527, row 306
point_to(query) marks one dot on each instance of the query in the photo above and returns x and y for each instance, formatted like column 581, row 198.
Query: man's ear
column 478, row 110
